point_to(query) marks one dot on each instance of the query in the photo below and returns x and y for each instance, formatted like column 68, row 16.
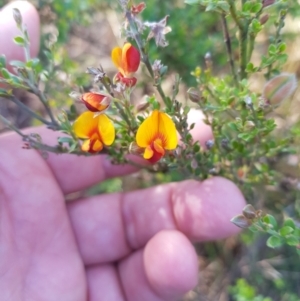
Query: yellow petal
column 157, row 125
column 147, row 132
column 106, row 129
column 167, row 129
column 86, row 145
column 85, row 125
column 116, row 56
column 148, row 153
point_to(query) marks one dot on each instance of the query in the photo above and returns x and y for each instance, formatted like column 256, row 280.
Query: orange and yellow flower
column 96, row 102
column 127, row 60
column 156, row 134
column 96, row 131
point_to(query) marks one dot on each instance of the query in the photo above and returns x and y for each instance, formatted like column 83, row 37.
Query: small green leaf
column 286, row 230
column 281, row 47
column 289, row 223
column 191, row 2
column 292, row 241
column 3, row 93
column 17, row 64
column 272, row 49
column 65, row 139
column 274, row 242
column 256, row 8
column 5, row 73
column 19, row 41
column 2, row 61
column 270, row 220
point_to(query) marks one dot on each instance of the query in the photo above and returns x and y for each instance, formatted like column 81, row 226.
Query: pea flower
column 127, row 60
column 96, row 102
column 96, row 130
column 156, row 134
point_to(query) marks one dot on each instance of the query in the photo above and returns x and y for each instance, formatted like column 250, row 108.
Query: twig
column 227, row 41
column 29, row 111
column 145, row 57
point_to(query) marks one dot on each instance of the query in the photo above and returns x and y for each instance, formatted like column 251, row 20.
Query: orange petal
column 95, row 102
column 106, row 129
column 97, row 146
column 130, row 59
column 116, row 56
column 86, row 125
column 158, row 147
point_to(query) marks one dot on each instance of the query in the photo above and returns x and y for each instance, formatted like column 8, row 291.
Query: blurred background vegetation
column 78, row 34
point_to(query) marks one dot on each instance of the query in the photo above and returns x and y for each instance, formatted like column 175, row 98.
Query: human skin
column 117, row 247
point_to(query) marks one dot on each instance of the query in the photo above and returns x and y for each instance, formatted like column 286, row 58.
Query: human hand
column 124, row 246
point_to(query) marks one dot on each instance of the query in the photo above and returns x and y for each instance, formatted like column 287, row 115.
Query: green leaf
column 274, row 242
column 272, row 49
column 65, row 139
column 5, row 73
column 286, row 230
column 292, row 241
column 250, row 67
column 19, row 41
column 191, row 2
column 289, row 223
column 3, row 93
column 256, row 8
column 224, row 6
column 17, row 64
column 2, row 61
column 270, row 220
column 281, row 47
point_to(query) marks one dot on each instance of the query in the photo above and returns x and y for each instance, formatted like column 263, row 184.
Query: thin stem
column 243, row 34
column 145, row 57
column 243, row 38
column 277, row 37
column 227, row 41
column 251, row 46
column 44, row 101
column 29, row 111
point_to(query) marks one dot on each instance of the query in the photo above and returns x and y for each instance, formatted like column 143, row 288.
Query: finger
column 9, row 30
column 74, row 173
column 201, row 131
column 103, row 283
column 165, row 270
column 108, row 227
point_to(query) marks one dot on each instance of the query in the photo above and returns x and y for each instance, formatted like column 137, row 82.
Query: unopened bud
column 248, row 101
column 268, row 3
column 194, row 95
column 208, row 60
column 135, row 149
column 241, row 221
column 209, row 144
column 249, row 125
column 263, row 20
column 279, row 88
column 249, row 212
column 142, row 106
column 17, row 16
column 194, row 164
